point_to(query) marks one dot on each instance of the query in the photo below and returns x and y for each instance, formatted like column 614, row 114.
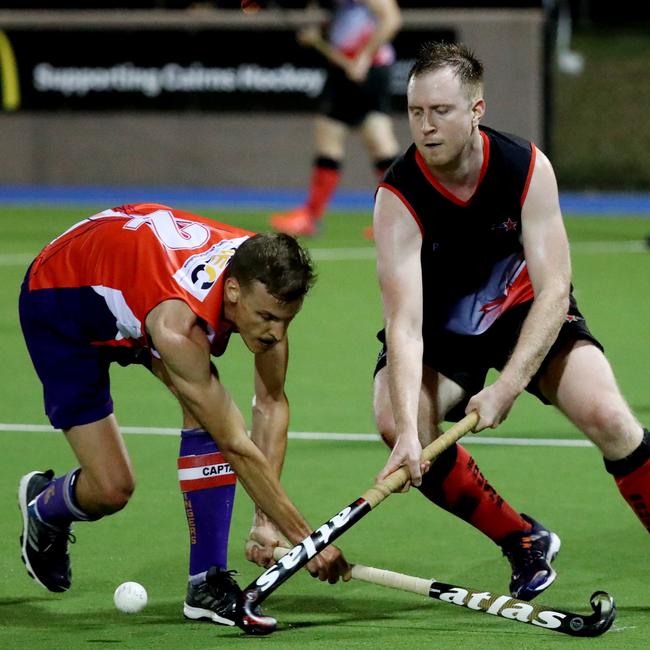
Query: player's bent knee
column 611, row 426
column 385, row 424
column 606, row 419
column 386, row 431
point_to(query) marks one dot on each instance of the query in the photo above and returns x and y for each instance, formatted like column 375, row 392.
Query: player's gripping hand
column 262, row 540
column 493, row 403
column 407, row 452
column 330, row 565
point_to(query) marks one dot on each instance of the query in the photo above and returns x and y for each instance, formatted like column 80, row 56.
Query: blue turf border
column 574, row 203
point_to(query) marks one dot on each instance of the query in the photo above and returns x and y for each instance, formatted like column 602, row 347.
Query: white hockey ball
column 130, row 597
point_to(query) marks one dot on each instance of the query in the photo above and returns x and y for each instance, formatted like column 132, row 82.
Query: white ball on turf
column 130, row 597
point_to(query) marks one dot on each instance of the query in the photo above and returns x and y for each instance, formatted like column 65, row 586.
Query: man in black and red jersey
column 474, row 270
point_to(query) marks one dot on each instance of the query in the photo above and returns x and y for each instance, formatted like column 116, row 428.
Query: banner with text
column 212, row 70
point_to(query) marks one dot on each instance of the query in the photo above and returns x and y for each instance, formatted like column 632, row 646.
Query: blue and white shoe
column 530, row 554
column 44, row 548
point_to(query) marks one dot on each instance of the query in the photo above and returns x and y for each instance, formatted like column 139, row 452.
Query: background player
column 356, row 95
column 150, row 284
column 474, row 269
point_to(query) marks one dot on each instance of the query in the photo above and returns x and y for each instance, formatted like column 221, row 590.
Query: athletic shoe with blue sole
column 530, row 554
column 44, row 548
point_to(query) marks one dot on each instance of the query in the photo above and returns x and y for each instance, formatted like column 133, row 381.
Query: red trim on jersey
column 185, row 462
column 407, row 205
column 531, row 167
column 205, row 483
column 520, row 291
column 441, row 188
column 486, row 159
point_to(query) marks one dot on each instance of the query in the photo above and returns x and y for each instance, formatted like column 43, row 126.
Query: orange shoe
column 297, row 222
column 369, row 233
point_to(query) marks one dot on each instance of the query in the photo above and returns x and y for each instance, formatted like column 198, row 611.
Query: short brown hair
column 434, row 55
column 276, row 260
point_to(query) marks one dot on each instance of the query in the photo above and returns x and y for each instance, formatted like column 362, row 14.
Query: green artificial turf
column 329, row 387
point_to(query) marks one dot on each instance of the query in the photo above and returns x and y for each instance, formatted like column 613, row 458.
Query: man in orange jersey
column 153, row 285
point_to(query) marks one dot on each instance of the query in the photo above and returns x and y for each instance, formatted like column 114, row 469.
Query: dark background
column 598, row 117
column 584, row 12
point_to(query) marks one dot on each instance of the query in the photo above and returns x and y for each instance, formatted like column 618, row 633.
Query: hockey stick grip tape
column 380, row 577
column 391, row 579
column 397, row 479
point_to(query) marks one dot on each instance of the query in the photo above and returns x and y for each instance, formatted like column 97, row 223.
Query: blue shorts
column 58, row 326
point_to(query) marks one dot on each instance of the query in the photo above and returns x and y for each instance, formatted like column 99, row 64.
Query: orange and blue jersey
column 134, row 257
column 86, row 297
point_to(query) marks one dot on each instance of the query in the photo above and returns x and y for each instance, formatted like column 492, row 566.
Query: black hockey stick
column 253, row 622
column 521, row 611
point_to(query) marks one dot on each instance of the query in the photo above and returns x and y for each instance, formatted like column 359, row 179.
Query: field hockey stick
column 521, row 611
column 251, row 621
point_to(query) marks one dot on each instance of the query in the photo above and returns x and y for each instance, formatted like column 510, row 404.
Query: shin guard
column 208, row 485
column 632, row 476
column 456, row 484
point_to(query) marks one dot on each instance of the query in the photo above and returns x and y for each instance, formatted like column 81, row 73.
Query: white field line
column 314, row 435
column 368, row 252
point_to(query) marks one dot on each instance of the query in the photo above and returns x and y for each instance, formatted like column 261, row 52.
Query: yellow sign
column 8, row 75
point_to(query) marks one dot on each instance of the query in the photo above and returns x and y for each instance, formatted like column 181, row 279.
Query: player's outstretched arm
column 398, row 242
column 269, row 429
column 185, row 352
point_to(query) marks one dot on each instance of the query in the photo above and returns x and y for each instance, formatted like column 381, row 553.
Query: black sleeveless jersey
column 473, row 267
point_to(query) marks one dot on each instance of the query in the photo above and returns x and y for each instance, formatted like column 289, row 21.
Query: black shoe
column 530, row 554
column 216, row 599
column 44, row 548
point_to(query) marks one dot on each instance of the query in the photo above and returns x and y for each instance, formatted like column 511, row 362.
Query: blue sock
column 57, row 504
column 208, row 485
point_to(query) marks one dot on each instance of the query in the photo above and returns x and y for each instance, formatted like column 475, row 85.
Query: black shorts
column 349, row 102
column 466, row 360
